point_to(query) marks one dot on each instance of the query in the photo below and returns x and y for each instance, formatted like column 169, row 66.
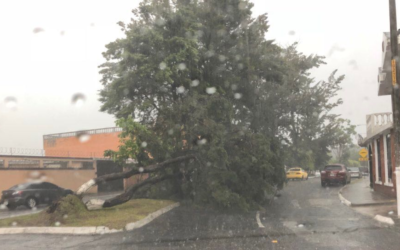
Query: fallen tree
column 94, row 204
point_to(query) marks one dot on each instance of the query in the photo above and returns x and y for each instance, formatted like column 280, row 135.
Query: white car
column 317, row 174
column 355, row 172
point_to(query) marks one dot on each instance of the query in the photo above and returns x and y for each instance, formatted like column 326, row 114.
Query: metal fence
column 49, row 152
column 83, row 132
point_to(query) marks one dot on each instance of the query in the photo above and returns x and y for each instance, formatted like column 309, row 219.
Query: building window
column 388, row 162
column 378, row 161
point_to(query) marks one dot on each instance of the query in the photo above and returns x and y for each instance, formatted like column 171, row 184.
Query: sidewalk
column 360, row 194
column 364, row 200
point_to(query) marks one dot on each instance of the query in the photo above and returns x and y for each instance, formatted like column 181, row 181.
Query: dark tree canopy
column 199, row 78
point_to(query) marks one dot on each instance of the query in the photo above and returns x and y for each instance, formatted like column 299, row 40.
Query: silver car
column 355, row 172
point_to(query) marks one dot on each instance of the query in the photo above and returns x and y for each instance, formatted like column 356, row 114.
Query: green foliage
column 199, row 77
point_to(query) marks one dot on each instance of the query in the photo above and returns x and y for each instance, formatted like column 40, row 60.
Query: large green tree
column 199, row 78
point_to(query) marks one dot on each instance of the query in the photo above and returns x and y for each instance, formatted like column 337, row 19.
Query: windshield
column 199, row 124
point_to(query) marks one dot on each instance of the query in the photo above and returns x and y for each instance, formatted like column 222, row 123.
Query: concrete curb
column 384, row 219
column 87, row 230
column 352, row 204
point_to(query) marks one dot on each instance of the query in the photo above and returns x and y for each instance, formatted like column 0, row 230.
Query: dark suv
column 336, row 173
column 32, row 194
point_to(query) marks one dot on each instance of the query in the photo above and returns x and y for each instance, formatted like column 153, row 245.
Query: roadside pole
column 395, row 93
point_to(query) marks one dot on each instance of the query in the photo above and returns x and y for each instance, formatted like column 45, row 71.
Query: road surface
column 306, row 216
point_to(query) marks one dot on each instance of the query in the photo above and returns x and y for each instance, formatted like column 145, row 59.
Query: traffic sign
column 363, row 153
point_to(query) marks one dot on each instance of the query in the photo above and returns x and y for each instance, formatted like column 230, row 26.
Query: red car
column 336, row 173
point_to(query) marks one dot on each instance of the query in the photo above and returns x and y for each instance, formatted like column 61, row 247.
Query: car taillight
column 17, row 193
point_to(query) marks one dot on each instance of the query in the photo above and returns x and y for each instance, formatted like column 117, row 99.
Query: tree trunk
column 127, row 195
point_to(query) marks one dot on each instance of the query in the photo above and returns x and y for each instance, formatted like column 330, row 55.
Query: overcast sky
column 44, row 70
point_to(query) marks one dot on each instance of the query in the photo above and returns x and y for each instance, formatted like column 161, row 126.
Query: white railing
column 376, row 122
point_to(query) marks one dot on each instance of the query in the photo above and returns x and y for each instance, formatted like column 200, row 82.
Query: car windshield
column 199, row 124
column 333, row 167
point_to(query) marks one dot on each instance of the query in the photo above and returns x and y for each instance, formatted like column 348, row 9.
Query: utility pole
column 395, row 94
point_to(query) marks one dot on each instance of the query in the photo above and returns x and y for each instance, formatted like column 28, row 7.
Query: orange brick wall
column 72, row 147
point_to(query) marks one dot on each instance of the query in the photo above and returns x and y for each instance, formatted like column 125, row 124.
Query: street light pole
column 395, row 94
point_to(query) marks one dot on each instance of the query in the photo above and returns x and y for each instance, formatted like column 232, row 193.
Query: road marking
column 296, row 204
column 260, row 225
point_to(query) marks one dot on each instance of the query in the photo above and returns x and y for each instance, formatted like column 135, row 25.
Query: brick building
column 380, row 145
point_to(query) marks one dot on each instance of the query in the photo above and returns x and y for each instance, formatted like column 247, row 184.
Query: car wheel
column 11, row 207
column 31, row 202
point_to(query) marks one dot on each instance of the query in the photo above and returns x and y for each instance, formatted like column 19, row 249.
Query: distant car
column 355, row 172
column 296, row 173
column 317, row 174
column 32, row 194
column 335, row 173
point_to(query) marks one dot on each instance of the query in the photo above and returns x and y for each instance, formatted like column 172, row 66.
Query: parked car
column 32, row 194
column 336, row 173
column 355, row 172
column 317, row 174
column 296, row 173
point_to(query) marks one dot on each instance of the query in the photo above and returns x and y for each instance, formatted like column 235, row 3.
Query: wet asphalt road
column 306, row 216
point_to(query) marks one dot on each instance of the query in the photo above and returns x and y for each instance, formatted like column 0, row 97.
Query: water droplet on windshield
column 170, row 132
column 242, row 5
column 144, row 144
column 180, row 90
column 234, row 87
column 202, row 142
column 92, row 24
column 222, row 58
column 57, row 224
column 83, row 137
column 38, row 30
column 181, row 66
column 391, row 212
column 211, row 90
column 65, row 216
column 238, row 96
column 163, row 66
column 62, row 33
column 292, row 33
column 210, row 53
column 11, row 102
column 195, row 83
column 78, row 99
column 300, row 225
column 160, row 22
column 14, row 224
column 141, row 169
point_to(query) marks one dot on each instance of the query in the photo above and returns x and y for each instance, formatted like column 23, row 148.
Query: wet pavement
column 359, row 193
column 306, row 216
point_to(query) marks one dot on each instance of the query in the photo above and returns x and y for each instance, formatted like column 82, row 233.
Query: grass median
column 71, row 212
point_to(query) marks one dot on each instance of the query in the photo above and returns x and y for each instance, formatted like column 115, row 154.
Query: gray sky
column 44, row 70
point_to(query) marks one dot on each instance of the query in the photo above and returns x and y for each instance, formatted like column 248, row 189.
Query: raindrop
column 65, row 216
column 92, row 24
column 181, row 66
column 199, row 33
column 14, row 224
column 34, row 208
column 210, row 53
column 141, row 169
column 208, row 164
column 163, row 66
column 391, row 212
column 180, row 90
column 65, row 238
column 83, row 137
column 2, row 206
column 300, row 225
column 211, row 90
column 234, row 87
column 222, row 58
column 38, row 30
column 62, row 33
column 160, row 22
column 354, row 64
column 126, row 92
column 11, row 102
column 195, row 83
column 238, row 57
column 202, row 142
column 144, row 144
column 57, row 224
column 238, row 96
column 34, row 174
column 292, row 33
column 335, row 48
column 242, row 5
column 240, row 66
column 78, row 99
column 170, row 132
